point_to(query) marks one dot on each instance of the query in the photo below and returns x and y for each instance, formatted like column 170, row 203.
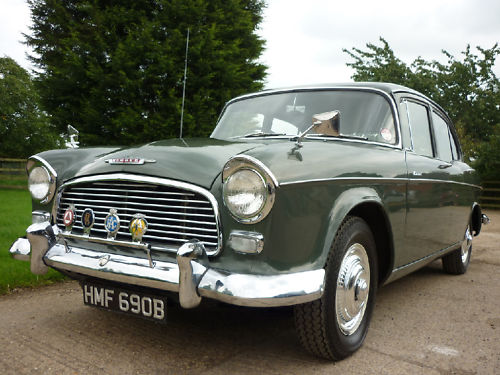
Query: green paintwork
column 197, row 161
column 319, row 184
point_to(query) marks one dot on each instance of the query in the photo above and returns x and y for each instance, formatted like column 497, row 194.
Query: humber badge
column 112, row 223
column 138, row 227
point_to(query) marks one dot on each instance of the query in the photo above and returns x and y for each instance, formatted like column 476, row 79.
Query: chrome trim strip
column 449, row 182
column 44, row 162
column 417, row 264
column 156, row 181
column 389, row 98
column 319, row 137
column 387, row 179
column 429, row 257
column 251, row 160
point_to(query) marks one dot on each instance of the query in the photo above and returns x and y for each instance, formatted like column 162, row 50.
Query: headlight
column 41, row 180
column 248, row 189
column 39, row 183
column 245, row 193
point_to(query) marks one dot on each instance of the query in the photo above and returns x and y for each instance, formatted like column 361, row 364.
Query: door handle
column 444, row 166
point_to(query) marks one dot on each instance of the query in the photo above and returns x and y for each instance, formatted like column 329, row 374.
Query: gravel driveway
column 425, row 323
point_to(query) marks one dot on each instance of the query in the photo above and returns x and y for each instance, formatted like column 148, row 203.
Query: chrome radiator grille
column 174, row 214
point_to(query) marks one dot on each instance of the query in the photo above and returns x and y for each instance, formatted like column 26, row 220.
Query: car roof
column 388, row 88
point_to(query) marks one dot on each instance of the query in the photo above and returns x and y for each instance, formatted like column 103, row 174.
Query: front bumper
column 191, row 276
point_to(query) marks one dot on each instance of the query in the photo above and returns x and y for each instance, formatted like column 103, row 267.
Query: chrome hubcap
column 353, row 287
column 466, row 245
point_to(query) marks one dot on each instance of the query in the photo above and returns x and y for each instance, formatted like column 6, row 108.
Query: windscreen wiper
column 261, row 134
column 338, row 136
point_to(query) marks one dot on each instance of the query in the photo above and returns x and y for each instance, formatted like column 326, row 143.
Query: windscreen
column 365, row 115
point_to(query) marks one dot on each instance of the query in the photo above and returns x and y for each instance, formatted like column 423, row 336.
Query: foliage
column 115, row 69
column 24, row 128
column 468, row 89
column 15, row 273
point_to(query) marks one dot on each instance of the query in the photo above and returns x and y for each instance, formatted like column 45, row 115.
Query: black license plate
column 126, row 301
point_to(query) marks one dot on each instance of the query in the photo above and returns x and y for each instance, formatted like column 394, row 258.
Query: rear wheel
column 457, row 262
column 335, row 325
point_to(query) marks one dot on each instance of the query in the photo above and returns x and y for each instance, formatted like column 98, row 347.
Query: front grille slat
column 151, row 205
column 166, row 193
column 153, row 212
column 174, row 215
column 163, row 219
column 135, row 197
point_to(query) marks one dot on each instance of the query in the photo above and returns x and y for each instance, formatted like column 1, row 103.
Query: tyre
column 335, row 326
column 457, row 262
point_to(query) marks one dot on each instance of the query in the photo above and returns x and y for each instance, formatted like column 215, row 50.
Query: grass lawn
column 15, row 217
column 14, row 181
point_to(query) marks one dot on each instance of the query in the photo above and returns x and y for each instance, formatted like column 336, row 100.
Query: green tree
column 24, row 128
column 467, row 88
column 114, row 69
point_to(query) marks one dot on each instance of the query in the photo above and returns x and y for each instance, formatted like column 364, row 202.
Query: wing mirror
column 323, row 123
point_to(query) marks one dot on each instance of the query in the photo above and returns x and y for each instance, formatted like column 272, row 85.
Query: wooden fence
column 13, row 173
column 12, row 166
column 491, row 195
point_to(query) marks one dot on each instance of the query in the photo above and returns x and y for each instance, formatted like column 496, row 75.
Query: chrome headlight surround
column 243, row 166
column 41, row 172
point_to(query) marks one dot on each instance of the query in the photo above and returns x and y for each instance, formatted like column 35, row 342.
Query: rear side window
column 418, row 118
column 442, row 133
column 454, row 149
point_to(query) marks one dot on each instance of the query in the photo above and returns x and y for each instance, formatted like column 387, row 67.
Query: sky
column 305, row 38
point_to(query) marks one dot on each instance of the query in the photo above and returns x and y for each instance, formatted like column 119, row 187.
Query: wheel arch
column 366, row 204
column 476, row 218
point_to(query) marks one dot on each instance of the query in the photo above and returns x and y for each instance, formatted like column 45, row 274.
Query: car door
column 433, row 179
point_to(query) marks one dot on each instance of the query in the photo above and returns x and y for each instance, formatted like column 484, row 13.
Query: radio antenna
column 184, row 86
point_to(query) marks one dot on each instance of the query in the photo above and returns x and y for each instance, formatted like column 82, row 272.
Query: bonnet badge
column 128, row 161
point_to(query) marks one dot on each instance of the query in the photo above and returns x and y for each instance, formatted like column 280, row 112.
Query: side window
column 442, row 133
column 454, row 148
column 405, row 126
column 420, row 129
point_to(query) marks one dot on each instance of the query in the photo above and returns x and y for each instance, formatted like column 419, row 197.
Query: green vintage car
column 306, row 196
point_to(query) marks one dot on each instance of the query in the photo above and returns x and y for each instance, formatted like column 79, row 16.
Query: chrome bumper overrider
column 191, row 276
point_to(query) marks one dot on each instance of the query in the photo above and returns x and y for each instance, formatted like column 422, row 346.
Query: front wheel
column 335, row 325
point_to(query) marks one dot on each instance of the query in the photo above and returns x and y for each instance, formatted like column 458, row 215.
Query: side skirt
column 415, row 265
